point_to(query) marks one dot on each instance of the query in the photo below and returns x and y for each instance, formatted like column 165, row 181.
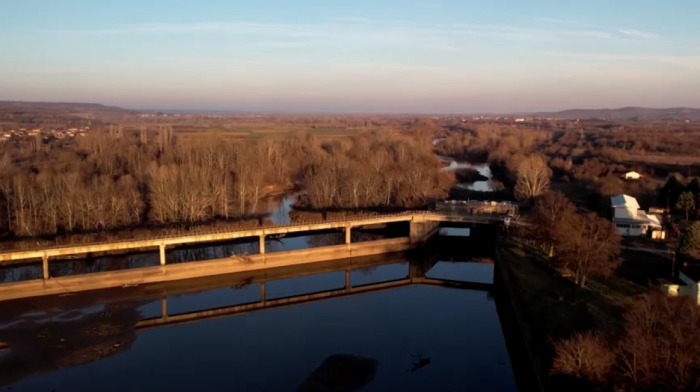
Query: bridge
column 422, row 226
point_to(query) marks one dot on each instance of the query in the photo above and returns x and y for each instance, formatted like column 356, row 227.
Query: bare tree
column 586, row 245
column 549, row 211
column 533, row 176
column 660, row 350
column 585, row 356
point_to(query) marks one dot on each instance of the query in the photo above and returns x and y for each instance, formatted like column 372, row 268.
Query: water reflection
column 380, row 333
column 340, row 373
column 60, row 343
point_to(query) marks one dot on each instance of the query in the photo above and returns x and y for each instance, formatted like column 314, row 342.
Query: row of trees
column 389, row 172
column 658, row 350
column 582, row 243
column 119, row 179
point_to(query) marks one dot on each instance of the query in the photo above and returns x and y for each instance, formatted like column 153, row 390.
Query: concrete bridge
column 422, row 226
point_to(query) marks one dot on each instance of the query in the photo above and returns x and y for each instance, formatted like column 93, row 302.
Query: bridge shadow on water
column 41, row 335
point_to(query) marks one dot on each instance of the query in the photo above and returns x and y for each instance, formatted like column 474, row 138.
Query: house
column 630, row 221
column 632, row 175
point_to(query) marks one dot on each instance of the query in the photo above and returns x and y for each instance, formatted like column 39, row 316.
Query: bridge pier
column 348, row 285
column 348, row 234
column 262, row 244
column 263, row 296
column 164, row 307
column 422, row 231
column 417, row 269
column 162, row 254
column 45, row 265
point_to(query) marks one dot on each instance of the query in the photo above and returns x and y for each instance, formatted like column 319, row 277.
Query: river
column 408, row 338
column 482, row 168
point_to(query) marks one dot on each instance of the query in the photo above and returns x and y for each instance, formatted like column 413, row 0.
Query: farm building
column 630, row 221
column 632, row 175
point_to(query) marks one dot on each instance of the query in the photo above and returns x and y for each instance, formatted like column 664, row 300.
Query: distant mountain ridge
column 71, row 107
column 680, row 113
column 631, row 112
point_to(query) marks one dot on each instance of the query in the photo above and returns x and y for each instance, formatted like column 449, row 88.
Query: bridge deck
column 213, row 236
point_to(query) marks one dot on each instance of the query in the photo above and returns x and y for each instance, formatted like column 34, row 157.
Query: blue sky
column 428, row 56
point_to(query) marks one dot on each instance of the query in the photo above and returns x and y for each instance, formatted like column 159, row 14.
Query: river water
column 413, row 337
column 482, row 168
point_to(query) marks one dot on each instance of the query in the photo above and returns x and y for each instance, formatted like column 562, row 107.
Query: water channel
column 482, row 168
column 407, row 337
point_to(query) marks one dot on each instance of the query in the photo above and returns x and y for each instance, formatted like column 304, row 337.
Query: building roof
column 627, row 211
column 624, row 201
column 638, row 217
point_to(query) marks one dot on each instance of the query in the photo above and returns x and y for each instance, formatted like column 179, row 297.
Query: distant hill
column 64, row 107
column 626, row 114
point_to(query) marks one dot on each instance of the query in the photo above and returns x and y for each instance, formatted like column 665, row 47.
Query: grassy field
column 556, row 307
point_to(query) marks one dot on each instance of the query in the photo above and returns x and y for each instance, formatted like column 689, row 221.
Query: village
column 45, row 134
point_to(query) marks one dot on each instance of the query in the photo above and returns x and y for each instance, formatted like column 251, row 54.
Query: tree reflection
column 42, row 347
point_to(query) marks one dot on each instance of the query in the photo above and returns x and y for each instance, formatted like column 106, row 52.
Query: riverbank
column 550, row 308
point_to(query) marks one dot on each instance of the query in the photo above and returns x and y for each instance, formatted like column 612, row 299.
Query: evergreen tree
column 671, row 191
column 686, row 203
column 690, row 241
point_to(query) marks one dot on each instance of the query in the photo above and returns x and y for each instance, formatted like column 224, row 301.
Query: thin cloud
column 684, row 61
column 282, row 44
column 346, row 29
column 351, row 19
column 244, row 28
column 623, row 31
column 386, row 66
column 638, row 33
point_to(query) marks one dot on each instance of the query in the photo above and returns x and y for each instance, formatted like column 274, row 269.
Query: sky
column 391, row 56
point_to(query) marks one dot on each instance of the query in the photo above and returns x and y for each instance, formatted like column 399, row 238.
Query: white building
column 690, row 276
column 633, row 175
column 630, row 221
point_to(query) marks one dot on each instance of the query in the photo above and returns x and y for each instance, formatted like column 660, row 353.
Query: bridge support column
column 262, row 244
column 348, row 234
column 262, row 292
column 162, row 254
column 417, row 269
column 348, row 285
column 45, row 265
column 422, row 231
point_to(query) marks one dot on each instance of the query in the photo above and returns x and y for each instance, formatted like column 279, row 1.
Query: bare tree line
column 658, row 350
column 117, row 179
column 384, row 172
